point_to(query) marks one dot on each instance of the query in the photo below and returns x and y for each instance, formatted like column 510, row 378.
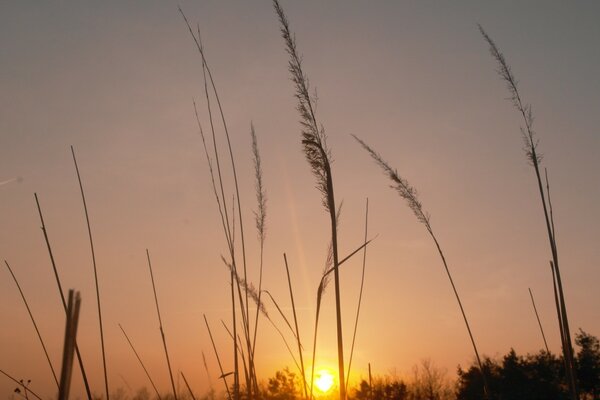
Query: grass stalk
column 538, row 320
column 360, row 294
column 289, row 279
column 318, row 156
column 188, row 386
column 260, row 221
column 162, row 332
column 534, row 157
column 62, row 295
column 141, row 363
column 37, row 331
column 409, row 193
column 218, row 358
column 72, row 322
column 20, row 383
column 87, row 219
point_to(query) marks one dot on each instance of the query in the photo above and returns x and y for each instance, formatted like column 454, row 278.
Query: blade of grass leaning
column 360, row 293
column 218, row 358
column 228, row 230
column 318, row 155
column 240, row 350
column 37, row 331
column 20, row 384
column 62, row 295
column 534, row 157
column 188, row 386
column 141, row 363
column 72, row 322
column 162, row 332
column 87, row 219
column 538, row 320
column 289, row 279
column 409, row 193
column 207, row 69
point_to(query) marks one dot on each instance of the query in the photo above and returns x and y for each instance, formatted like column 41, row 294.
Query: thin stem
column 141, row 363
column 20, row 384
column 217, row 355
column 62, row 296
column 538, row 320
column 162, row 332
column 188, row 386
column 287, row 270
column 37, row 331
column 362, row 282
column 87, row 219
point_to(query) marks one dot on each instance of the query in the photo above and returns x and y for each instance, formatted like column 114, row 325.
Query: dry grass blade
column 318, row 156
column 409, row 193
column 73, row 307
column 188, row 386
column 538, row 320
column 362, row 282
column 20, row 384
column 141, row 363
column 87, row 219
column 535, row 158
column 218, row 358
column 287, row 270
column 37, row 331
column 162, row 332
column 62, row 295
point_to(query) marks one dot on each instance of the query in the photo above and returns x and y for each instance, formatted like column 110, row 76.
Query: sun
column 324, row 380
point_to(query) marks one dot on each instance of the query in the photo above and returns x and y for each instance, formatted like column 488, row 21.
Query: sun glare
column 324, row 380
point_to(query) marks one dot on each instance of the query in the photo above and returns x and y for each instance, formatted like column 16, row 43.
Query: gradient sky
column 414, row 79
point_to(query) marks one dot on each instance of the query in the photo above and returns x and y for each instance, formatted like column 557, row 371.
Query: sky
column 415, row 80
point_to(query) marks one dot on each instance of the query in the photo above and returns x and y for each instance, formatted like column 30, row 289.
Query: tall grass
column 89, row 229
column 535, row 158
column 537, row 316
column 72, row 322
column 318, row 155
column 409, row 194
column 37, row 331
column 162, row 332
column 62, row 295
column 141, row 363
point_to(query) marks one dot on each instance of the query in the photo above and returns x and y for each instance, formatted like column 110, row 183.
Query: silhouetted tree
column 283, row 386
column 588, row 364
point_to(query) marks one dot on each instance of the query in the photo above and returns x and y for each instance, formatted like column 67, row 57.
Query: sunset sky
column 414, row 79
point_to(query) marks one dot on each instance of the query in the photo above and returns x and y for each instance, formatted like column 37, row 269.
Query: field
column 414, row 81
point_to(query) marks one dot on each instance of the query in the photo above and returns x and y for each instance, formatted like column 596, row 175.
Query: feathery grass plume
column 260, row 218
column 362, row 282
column 73, row 308
column 62, row 295
column 535, row 158
column 141, row 363
column 223, row 375
column 20, row 383
column 318, row 155
column 409, row 193
column 162, row 332
column 287, row 270
column 538, row 320
column 87, row 219
column 37, row 331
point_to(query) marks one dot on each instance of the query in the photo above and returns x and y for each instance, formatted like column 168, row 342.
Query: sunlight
column 324, row 380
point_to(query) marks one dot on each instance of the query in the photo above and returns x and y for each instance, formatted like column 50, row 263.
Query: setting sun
column 324, row 380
